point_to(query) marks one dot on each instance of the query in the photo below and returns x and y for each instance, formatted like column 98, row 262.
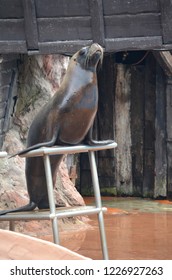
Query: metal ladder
column 54, row 214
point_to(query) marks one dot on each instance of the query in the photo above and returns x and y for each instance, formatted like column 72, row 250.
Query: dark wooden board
column 12, row 46
column 116, row 7
column 137, row 126
column 2, row 109
column 105, row 121
column 123, row 26
column 1, row 121
column 55, row 29
column 4, row 93
column 12, row 29
column 149, row 126
column 115, row 24
column 169, row 135
column 133, row 43
column 63, row 47
column 11, row 9
column 166, row 20
column 62, row 8
column 8, row 65
column 160, row 136
column 30, row 24
column 123, row 162
column 97, row 21
column 5, row 78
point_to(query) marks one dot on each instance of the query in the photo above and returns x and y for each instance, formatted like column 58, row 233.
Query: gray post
column 51, row 198
column 98, row 203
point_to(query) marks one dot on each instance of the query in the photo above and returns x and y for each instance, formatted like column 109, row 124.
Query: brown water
column 135, row 229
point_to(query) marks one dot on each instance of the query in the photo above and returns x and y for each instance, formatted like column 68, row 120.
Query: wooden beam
column 169, row 135
column 166, row 20
column 137, row 126
column 124, row 180
column 164, row 58
column 13, row 47
column 63, row 47
column 30, row 24
column 133, row 43
column 149, row 126
column 96, row 11
column 160, row 185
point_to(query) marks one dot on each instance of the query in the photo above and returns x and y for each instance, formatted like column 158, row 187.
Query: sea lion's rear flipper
column 28, row 207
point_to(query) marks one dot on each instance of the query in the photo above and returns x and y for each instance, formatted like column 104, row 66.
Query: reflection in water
column 141, row 230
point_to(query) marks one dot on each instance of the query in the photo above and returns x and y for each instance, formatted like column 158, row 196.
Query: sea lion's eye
column 82, row 51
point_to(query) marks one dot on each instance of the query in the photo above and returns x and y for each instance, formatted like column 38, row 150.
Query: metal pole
column 51, row 198
column 11, row 225
column 98, row 203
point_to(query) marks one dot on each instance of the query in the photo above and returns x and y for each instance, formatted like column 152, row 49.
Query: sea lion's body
column 67, row 119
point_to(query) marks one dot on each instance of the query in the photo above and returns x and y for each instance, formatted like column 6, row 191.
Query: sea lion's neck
column 77, row 77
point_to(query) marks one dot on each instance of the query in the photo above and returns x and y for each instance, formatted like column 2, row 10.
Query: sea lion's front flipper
column 37, row 146
column 90, row 141
column 28, row 207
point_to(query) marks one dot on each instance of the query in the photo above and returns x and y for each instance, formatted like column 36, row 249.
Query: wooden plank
column 164, row 58
column 61, row 8
column 123, row 131
column 2, row 110
column 4, row 93
column 10, row 57
column 137, row 126
column 63, row 47
column 2, row 136
column 123, row 26
column 96, row 11
column 5, row 77
column 59, row 29
column 12, row 29
column 116, row 7
column 160, row 136
column 166, row 20
column 31, row 31
column 149, row 126
column 8, row 65
column 106, row 123
column 169, row 135
column 133, row 43
column 11, row 9
column 7, row 47
column 1, row 121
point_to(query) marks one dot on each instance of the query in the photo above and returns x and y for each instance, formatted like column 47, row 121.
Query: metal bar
column 45, row 215
column 51, row 198
column 3, row 154
column 80, row 212
column 68, row 150
column 54, row 215
column 98, row 203
column 12, row 225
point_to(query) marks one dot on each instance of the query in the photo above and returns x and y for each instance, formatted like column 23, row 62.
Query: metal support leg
column 51, row 198
column 12, row 225
column 98, row 203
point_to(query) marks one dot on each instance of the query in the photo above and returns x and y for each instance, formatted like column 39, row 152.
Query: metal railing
column 54, row 214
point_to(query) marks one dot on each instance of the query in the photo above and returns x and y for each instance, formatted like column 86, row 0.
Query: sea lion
column 67, row 119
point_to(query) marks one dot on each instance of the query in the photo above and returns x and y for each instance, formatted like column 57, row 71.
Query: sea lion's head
column 89, row 57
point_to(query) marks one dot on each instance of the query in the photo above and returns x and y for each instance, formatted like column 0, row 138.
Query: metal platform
column 54, row 214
